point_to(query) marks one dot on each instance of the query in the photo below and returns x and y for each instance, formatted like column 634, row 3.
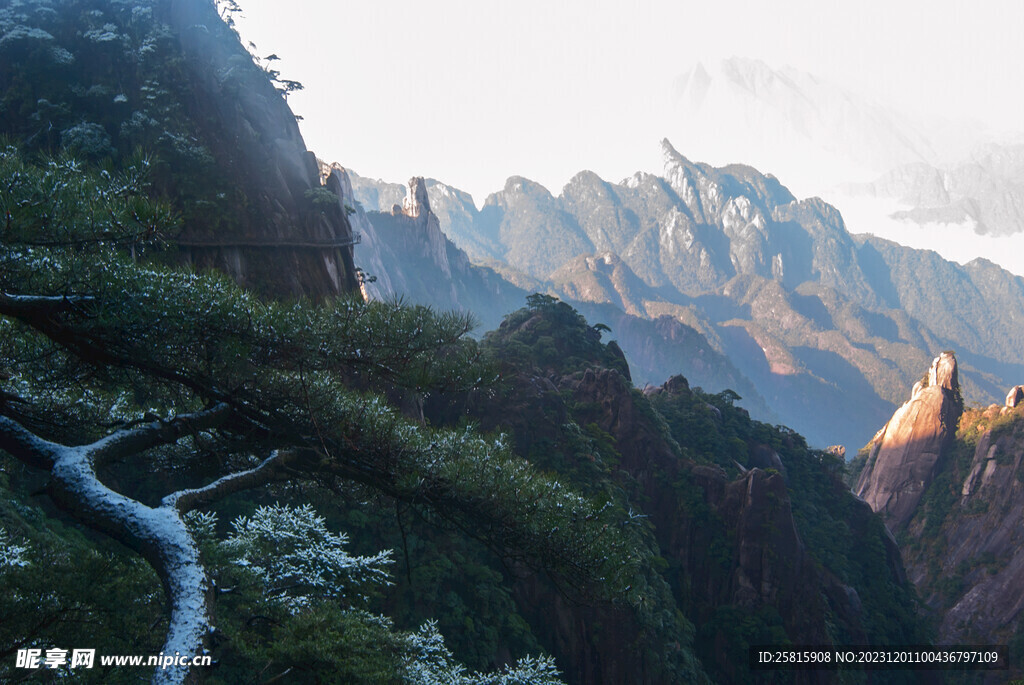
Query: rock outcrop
column 404, row 249
column 903, row 456
column 1015, row 396
column 286, row 240
column 950, row 483
column 965, row 550
column 982, row 544
column 171, row 79
column 754, row 529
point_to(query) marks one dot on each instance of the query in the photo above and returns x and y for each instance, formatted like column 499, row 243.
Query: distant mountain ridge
column 826, row 326
column 796, row 125
column 922, row 180
column 405, row 254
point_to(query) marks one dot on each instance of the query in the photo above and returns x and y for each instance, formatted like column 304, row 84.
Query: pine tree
column 146, row 392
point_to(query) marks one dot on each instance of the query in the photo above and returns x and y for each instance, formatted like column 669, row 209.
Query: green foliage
column 564, row 435
column 61, row 204
column 322, row 197
column 61, row 589
column 296, row 609
column 540, row 301
column 552, row 336
column 299, row 561
column 101, row 79
column 846, row 543
column 731, row 631
column 120, row 339
column 326, row 644
column 839, row 534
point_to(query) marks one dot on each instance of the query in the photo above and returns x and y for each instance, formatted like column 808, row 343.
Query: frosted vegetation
column 295, row 561
column 11, row 554
column 147, row 392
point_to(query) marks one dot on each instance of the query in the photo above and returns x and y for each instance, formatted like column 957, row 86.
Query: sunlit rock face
column 981, row 540
column 1015, row 396
column 903, row 455
column 949, row 482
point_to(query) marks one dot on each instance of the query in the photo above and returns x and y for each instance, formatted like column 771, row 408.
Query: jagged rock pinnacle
column 668, row 152
column 416, row 202
column 943, row 372
column 903, row 456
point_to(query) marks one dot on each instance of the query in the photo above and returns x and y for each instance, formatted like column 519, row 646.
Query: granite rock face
column 984, row 541
column 284, row 242
column 967, row 556
column 904, row 454
column 951, row 482
column 171, row 81
column 404, row 253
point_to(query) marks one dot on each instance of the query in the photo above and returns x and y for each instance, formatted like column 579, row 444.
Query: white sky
column 473, row 91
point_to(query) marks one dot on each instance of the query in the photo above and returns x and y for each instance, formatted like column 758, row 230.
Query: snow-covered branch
column 273, row 468
column 26, row 446
column 158, row 533
column 31, row 306
column 133, row 440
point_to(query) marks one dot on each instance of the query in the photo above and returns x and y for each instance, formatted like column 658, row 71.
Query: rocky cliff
column 410, row 257
column 759, row 538
column 950, row 483
column 903, row 456
column 979, row 587
column 170, row 78
column 292, row 237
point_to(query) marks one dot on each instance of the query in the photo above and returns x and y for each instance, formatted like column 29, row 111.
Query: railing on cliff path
column 316, row 244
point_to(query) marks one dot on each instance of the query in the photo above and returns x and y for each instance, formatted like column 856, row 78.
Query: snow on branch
column 32, row 306
column 137, row 439
column 273, row 468
column 26, row 446
column 158, row 533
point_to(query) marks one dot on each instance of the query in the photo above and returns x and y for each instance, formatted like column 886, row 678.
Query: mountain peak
column 416, row 202
column 904, row 455
column 669, row 153
column 747, row 70
column 943, row 373
column 520, row 185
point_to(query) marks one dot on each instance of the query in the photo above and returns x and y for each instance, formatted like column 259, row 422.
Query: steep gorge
column 759, row 537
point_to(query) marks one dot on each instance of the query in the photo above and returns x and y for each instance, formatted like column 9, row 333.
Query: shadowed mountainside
column 103, row 80
column 760, row 538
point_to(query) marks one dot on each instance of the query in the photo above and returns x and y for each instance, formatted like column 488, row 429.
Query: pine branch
column 131, row 441
column 276, row 467
column 26, row 446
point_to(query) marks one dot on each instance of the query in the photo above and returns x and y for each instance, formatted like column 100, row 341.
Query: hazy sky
column 472, row 91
